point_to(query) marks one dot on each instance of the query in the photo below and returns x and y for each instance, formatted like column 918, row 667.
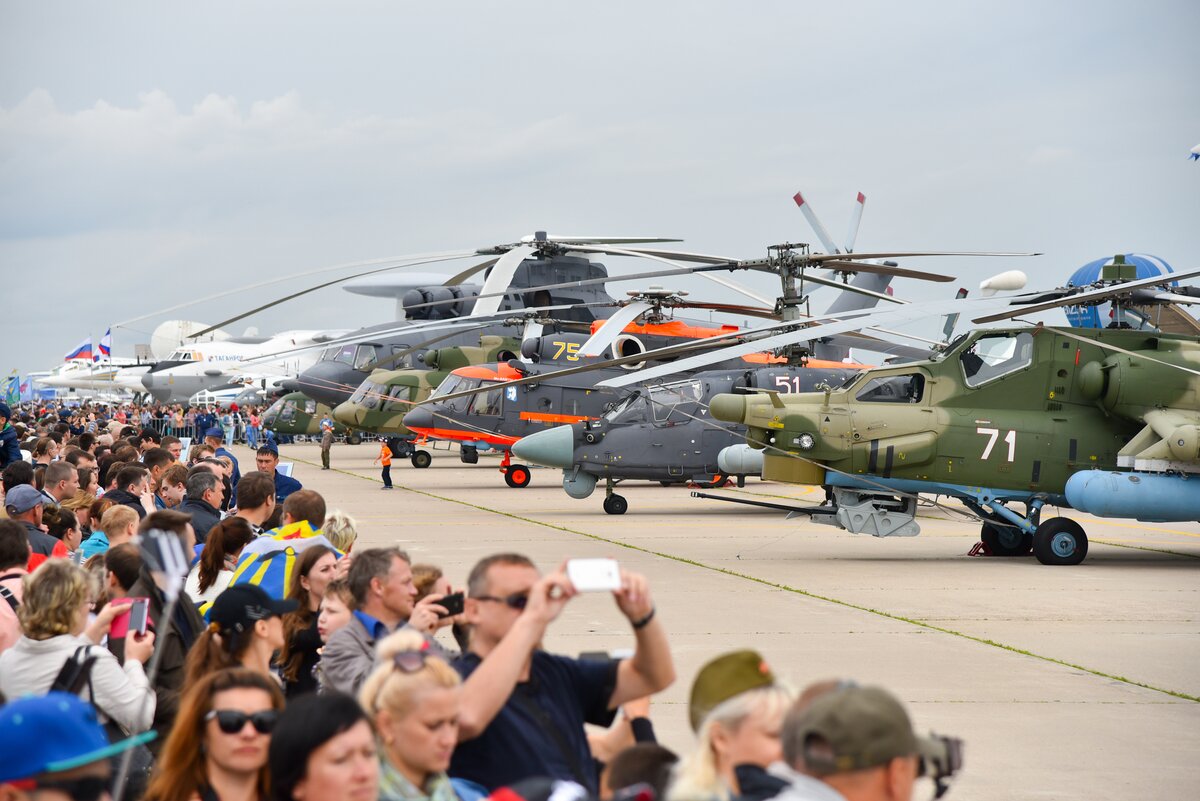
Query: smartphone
column 594, row 575
column 453, row 604
column 139, row 614
column 129, row 618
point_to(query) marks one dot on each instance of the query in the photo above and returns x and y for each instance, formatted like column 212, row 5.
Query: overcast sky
column 151, row 153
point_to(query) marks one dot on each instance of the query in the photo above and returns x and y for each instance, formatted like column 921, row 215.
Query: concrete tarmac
column 1075, row 682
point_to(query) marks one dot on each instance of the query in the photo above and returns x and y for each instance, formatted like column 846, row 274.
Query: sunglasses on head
column 517, row 600
column 232, row 721
column 409, row 661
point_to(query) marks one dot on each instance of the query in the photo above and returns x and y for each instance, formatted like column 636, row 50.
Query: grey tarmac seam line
column 788, row 588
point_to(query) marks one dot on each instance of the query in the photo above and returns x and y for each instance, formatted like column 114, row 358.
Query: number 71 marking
column 992, row 434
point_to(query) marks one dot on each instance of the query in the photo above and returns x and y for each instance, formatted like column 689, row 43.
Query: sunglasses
column 87, row 788
column 409, row 661
column 517, row 600
column 232, row 721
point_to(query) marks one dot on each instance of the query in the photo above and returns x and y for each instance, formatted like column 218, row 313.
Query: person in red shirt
column 385, row 459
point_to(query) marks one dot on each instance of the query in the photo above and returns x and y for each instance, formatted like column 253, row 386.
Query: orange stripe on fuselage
column 502, row 373
column 457, row 435
column 671, row 328
column 766, row 358
column 541, row 417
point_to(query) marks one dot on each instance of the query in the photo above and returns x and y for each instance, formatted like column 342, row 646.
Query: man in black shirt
column 523, row 710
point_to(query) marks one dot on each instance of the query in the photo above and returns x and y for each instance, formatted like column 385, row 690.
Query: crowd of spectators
column 279, row 661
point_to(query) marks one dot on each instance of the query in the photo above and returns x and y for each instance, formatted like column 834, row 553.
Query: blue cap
column 5, row 411
column 52, row 733
column 215, row 431
column 23, row 497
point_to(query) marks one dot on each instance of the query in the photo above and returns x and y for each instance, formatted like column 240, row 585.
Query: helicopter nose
column 419, row 418
column 347, row 413
column 554, row 447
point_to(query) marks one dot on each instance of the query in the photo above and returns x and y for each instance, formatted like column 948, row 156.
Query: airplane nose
column 419, row 418
column 554, row 447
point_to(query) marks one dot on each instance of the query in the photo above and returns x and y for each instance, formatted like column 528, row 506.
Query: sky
column 155, row 153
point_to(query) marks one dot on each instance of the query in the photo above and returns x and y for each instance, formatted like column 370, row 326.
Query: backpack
column 7, row 594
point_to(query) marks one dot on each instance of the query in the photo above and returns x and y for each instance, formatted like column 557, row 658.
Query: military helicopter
column 299, row 415
column 380, row 402
column 660, row 432
column 1106, row 421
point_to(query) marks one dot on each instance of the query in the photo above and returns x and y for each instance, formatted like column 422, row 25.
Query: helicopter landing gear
column 1060, row 541
column 614, row 504
column 421, row 459
column 515, row 475
column 468, row 454
column 1005, row 540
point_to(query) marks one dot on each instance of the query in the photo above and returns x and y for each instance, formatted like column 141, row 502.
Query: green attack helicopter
column 1106, row 421
column 299, row 415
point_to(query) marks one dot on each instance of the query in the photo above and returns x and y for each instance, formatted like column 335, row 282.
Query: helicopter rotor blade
column 292, row 296
column 855, row 221
column 822, row 257
column 397, row 261
column 597, row 240
column 1080, row 298
column 815, row 223
column 455, row 280
column 816, row 279
column 885, row 269
column 736, row 287
column 495, row 288
column 607, row 334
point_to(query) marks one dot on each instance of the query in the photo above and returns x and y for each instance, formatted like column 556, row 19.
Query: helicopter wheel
column 468, row 455
column 353, row 439
column 1006, row 540
column 616, row 504
column 1060, row 541
column 421, row 459
column 517, row 476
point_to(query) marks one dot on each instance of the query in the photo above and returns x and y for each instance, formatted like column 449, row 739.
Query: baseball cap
column 23, row 497
column 239, row 606
column 724, row 677
column 52, row 733
column 215, row 431
column 855, row 728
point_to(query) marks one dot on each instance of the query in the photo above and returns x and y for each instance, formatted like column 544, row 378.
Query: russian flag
column 82, row 351
column 105, row 347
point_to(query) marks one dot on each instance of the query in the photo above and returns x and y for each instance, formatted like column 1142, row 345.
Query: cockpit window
column 448, row 386
column 632, row 408
column 993, row 356
column 397, row 398
column 364, row 357
column 310, row 407
column 343, row 354
column 675, row 403
column 288, row 414
column 893, row 389
column 488, row 403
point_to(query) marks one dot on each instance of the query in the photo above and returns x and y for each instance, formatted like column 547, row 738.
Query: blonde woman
column 736, row 709
column 54, row 616
column 341, row 530
column 413, row 697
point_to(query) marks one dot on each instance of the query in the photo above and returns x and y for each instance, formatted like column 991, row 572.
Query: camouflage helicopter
column 297, row 414
column 1106, row 421
column 380, row 402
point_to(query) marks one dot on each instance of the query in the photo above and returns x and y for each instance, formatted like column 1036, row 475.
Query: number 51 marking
column 992, row 434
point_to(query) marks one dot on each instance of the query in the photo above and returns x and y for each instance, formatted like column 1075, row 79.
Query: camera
column 943, row 760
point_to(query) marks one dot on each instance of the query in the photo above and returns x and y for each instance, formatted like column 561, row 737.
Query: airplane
column 1103, row 420
column 206, row 365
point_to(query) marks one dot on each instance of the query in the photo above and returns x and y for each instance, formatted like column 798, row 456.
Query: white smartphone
column 594, row 575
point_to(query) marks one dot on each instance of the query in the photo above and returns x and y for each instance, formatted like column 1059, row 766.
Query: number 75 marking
column 992, row 434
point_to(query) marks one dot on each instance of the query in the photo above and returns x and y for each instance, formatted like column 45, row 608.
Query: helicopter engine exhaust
column 627, row 345
column 1150, row 497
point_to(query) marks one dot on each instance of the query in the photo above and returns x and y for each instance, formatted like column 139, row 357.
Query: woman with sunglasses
column 324, row 750
column 413, row 697
column 217, row 749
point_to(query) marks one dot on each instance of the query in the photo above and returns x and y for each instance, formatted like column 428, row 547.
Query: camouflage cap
column 854, row 728
column 724, row 677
